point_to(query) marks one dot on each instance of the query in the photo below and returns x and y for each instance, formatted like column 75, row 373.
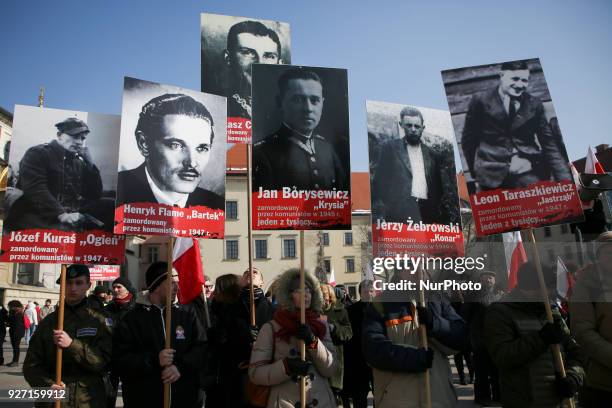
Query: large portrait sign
column 415, row 207
column 301, row 155
column 512, row 152
column 171, row 162
column 230, row 45
column 61, row 189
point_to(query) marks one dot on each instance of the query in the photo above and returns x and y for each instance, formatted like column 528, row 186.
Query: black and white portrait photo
column 172, row 148
column 506, row 125
column 301, row 128
column 412, row 168
column 230, row 45
column 64, row 170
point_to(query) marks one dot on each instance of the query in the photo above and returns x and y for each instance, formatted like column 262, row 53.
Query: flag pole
column 555, row 348
column 302, row 319
column 250, row 234
column 168, row 312
column 423, row 339
column 206, row 314
column 60, row 326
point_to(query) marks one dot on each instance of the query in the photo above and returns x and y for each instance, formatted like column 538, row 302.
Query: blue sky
column 394, row 51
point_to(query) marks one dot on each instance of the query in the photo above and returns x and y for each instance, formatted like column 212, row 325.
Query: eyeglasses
column 209, row 286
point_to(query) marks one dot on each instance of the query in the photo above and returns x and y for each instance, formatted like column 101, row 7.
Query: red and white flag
column 592, row 165
column 188, row 264
column 515, row 255
column 332, row 278
column 565, row 280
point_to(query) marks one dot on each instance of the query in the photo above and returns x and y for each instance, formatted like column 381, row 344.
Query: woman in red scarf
column 275, row 359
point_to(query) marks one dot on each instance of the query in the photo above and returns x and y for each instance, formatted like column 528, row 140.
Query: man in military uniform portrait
column 59, row 186
column 248, row 42
column 507, row 141
column 174, row 134
column 410, row 182
column 86, row 341
column 296, row 155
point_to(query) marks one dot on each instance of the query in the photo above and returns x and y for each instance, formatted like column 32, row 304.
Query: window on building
column 325, row 239
column 327, row 265
column 352, row 290
column 231, row 210
column 261, row 248
column 348, row 238
column 547, row 231
column 350, row 265
column 26, row 274
column 564, row 229
column 153, row 254
column 231, row 249
column 288, row 247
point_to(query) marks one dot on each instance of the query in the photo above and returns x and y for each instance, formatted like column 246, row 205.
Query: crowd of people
column 219, row 358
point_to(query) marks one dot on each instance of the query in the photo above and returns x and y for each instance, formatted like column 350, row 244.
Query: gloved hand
column 552, row 333
column 304, row 332
column 254, row 332
column 425, row 317
column 296, row 367
column 566, row 387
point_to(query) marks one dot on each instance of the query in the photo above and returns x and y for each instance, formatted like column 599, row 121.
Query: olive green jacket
column 525, row 362
column 591, row 321
column 341, row 332
column 85, row 362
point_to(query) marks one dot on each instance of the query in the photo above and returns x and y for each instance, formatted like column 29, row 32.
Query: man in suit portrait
column 59, row 187
column 295, row 155
column 507, row 141
column 174, row 134
column 410, row 179
column 248, row 42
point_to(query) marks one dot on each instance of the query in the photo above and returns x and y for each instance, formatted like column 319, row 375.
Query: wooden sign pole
column 60, row 326
column 168, row 317
column 423, row 341
column 302, row 319
column 250, row 233
column 556, row 348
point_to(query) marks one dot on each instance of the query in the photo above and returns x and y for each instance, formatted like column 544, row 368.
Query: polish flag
column 586, row 205
column 332, row 278
column 565, row 281
column 592, row 165
column 514, row 252
column 188, row 264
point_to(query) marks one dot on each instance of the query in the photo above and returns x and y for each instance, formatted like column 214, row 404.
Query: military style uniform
column 288, row 159
column 84, row 363
column 55, row 181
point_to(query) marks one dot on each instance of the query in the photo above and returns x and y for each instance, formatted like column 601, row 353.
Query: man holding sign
column 86, row 342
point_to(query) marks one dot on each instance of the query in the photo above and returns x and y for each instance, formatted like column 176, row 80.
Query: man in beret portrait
column 295, row 155
column 174, row 134
column 61, row 186
column 86, row 341
column 507, row 141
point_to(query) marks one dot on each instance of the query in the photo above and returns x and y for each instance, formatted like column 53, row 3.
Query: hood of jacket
column 283, row 290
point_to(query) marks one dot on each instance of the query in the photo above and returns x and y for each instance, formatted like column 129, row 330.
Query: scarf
column 126, row 299
column 289, row 322
column 245, row 293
